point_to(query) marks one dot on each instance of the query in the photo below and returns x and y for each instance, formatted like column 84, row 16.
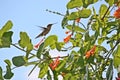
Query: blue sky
column 25, row 15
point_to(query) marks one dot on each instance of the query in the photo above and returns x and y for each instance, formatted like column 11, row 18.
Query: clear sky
column 25, row 15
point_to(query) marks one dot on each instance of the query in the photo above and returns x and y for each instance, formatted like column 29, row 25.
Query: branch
column 21, row 49
column 110, row 52
column 41, row 61
column 105, row 13
column 55, row 12
column 110, row 10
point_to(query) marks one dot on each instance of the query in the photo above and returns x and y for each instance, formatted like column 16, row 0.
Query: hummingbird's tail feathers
column 39, row 36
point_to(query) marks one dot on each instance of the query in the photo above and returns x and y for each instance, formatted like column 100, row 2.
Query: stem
column 33, row 68
column 92, row 67
column 43, row 60
column 21, row 49
column 83, row 25
column 55, row 12
column 110, row 52
column 105, row 13
column 110, row 10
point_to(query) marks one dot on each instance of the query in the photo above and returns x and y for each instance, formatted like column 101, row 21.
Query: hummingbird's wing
column 42, row 33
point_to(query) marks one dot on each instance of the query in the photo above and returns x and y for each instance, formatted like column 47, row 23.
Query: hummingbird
column 45, row 31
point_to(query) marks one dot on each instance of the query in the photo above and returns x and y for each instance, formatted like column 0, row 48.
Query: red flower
column 55, row 63
column 90, row 52
column 67, row 38
column 77, row 20
column 117, row 13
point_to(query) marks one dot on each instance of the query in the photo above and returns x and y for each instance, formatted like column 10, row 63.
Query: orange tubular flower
column 55, row 63
column 117, row 13
column 38, row 44
column 67, row 38
column 90, row 52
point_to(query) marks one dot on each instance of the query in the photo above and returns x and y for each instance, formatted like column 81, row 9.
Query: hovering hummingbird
column 45, row 30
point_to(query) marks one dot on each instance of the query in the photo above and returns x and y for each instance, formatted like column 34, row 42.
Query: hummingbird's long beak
column 54, row 23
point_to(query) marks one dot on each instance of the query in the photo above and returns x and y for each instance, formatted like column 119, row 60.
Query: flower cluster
column 55, row 63
column 117, row 13
column 90, row 52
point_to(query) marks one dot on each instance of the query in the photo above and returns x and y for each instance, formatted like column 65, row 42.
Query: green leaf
column 112, row 23
column 67, row 76
column 70, row 58
column 64, row 22
column 73, row 16
column 40, row 50
column 1, row 76
column 59, row 45
column 6, row 27
column 50, row 40
column 103, row 9
column 100, row 40
column 6, row 39
column 76, row 28
column 25, row 42
column 95, row 26
column 86, row 3
column 18, row 61
column 101, row 48
column 7, row 62
column 78, row 36
column 110, row 2
column 43, row 70
column 53, row 46
column 49, row 75
column 116, row 58
column 8, row 74
column 80, row 61
column 109, row 73
column 74, row 3
column 85, row 13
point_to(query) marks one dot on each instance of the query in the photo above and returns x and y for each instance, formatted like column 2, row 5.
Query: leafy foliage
column 18, row 61
column 88, row 53
column 25, row 42
column 5, row 35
